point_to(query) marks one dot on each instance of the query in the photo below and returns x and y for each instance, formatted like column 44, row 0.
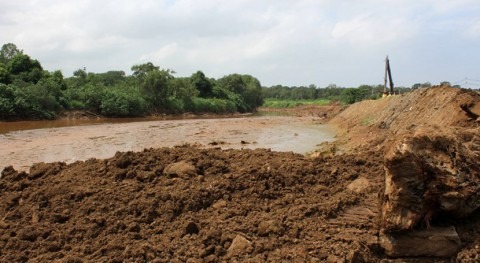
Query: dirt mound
column 378, row 123
column 430, row 140
column 322, row 112
column 237, row 204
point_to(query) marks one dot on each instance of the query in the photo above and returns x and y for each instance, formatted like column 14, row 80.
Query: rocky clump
column 430, row 176
column 431, row 173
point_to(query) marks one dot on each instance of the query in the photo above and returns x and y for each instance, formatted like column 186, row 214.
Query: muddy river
column 25, row 143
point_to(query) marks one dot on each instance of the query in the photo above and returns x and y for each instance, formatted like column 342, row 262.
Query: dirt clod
column 270, row 227
column 180, row 169
column 240, row 245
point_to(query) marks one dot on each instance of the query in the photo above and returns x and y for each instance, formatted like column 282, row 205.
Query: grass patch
column 367, row 121
column 276, row 103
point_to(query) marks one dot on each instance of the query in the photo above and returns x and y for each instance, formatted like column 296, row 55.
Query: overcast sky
column 287, row 42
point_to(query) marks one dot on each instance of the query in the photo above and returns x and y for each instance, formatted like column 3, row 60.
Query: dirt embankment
column 186, row 204
column 325, row 112
column 377, row 123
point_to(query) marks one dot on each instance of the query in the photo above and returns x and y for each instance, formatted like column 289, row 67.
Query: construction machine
column 388, row 73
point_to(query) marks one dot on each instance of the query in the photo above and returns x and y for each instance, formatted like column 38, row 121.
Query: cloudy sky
column 287, row 42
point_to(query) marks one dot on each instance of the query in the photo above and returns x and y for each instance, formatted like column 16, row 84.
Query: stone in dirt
column 359, row 185
column 433, row 242
column 269, row 227
column 239, row 246
column 180, row 169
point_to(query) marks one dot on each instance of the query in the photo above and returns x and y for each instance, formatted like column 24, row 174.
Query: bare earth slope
column 378, row 122
column 187, row 204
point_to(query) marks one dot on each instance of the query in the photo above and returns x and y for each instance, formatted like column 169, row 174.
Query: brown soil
column 325, row 113
column 377, row 123
column 187, row 204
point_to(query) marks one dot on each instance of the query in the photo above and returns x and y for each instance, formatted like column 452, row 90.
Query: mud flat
column 21, row 149
column 191, row 204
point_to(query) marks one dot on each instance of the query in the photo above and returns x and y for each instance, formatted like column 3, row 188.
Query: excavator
column 388, row 73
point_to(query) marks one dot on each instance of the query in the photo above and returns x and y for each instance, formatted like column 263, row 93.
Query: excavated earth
column 191, row 204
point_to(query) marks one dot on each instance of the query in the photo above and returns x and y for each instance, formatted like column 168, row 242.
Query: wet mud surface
column 24, row 148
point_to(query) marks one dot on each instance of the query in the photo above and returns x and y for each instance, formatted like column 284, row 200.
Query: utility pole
column 388, row 73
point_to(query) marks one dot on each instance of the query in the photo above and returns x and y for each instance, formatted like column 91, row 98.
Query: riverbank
column 79, row 115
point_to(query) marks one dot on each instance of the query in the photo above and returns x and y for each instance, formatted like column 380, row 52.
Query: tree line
column 27, row 91
column 332, row 92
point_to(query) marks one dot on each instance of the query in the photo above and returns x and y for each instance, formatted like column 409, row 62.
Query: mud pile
column 324, row 112
column 185, row 203
column 379, row 123
column 189, row 204
column 431, row 141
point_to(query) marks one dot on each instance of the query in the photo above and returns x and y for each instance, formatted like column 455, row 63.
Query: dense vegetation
column 283, row 96
column 286, row 103
column 27, row 91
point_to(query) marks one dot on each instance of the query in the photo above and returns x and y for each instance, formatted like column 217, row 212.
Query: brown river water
column 26, row 143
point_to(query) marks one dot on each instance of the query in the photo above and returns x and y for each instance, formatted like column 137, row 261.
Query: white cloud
column 373, row 30
column 283, row 41
column 170, row 50
column 448, row 6
column 473, row 30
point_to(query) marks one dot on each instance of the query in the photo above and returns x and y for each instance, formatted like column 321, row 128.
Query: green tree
column 142, row 70
column 247, row 88
column 416, row 85
column 182, row 93
column 108, row 78
column 202, row 84
column 34, row 101
column 79, row 79
column 57, row 77
column 91, row 96
column 366, row 92
column 253, row 92
column 8, row 52
column 122, row 101
column 4, row 74
column 22, row 67
column 155, row 87
column 351, row 95
column 182, row 88
column 80, row 73
column 236, row 86
column 7, row 102
column 426, row 85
